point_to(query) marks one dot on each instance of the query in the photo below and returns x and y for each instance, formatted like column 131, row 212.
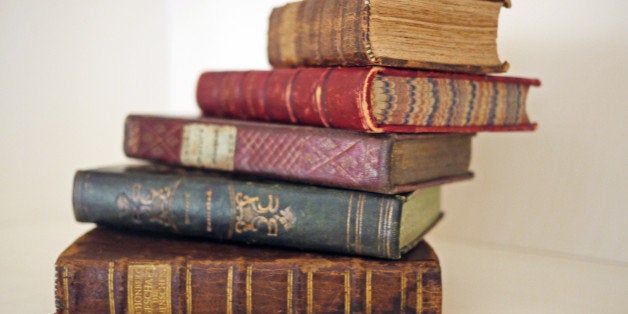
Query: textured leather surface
column 206, row 277
column 327, row 97
column 330, row 157
column 315, row 33
column 313, row 155
column 237, row 208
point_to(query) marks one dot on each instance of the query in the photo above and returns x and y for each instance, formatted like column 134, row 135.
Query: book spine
column 297, row 216
column 180, row 286
column 319, row 33
column 326, row 97
column 313, row 155
column 121, row 287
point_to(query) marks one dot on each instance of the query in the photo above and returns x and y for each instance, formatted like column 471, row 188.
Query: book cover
column 369, row 99
column 382, row 163
column 111, row 271
column 223, row 207
column 452, row 36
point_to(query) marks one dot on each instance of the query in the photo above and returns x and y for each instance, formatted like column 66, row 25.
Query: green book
column 226, row 207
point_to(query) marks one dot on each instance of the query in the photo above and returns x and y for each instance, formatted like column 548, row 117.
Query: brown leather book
column 453, row 35
column 109, row 271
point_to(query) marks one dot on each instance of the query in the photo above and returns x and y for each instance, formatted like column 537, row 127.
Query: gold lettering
column 230, row 290
column 110, row 285
column 310, row 292
column 252, row 215
column 289, row 292
column 249, row 289
column 150, row 288
column 188, row 289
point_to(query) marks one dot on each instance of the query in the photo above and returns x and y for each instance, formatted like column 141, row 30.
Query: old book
column 222, row 207
column 109, row 271
column 382, row 163
column 371, row 99
column 452, row 35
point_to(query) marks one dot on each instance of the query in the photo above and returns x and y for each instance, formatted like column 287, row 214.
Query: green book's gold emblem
column 253, row 216
column 154, row 205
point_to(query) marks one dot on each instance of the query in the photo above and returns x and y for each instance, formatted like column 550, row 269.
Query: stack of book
column 307, row 188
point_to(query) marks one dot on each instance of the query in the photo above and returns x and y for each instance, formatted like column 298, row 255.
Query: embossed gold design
column 110, row 286
column 249, row 289
column 380, row 236
column 388, row 227
column 230, row 290
column 310, row 292
column 149, row 288
column 252, row 216
column 358, row 223
column 289, row 292
column 154, row 206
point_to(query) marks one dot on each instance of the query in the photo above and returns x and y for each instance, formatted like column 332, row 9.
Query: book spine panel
column 77, row 291
column 304, row 217
column 254, row 86
column 347, row 99
column 319, row 33
column 330, row 97
column 320, row 156
column 89, row 286
column 299, row 287
column 179, row 286
column 309, row 16
column 429, row 290
column 315, row 157
column 283, row 31
column 231, row 97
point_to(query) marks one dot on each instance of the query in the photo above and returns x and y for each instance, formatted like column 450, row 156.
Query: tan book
column 445, row 35
column 108, row 271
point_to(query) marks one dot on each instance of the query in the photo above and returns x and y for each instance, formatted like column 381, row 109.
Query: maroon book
column 370, row 99
column 383, row 163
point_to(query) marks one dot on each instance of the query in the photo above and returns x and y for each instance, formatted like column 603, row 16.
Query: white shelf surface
column 477, row 278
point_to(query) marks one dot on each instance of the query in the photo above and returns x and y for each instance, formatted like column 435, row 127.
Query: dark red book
column 371, row 99
column 382, row 163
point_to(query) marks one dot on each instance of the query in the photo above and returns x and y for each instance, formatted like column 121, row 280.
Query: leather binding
column 110, row 271
column 322, row 156
column 221, row 207
column 314, row 33
column 341, row 98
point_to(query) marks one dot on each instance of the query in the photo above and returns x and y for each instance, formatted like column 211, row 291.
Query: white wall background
column 71, row 70
column 560, row 190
